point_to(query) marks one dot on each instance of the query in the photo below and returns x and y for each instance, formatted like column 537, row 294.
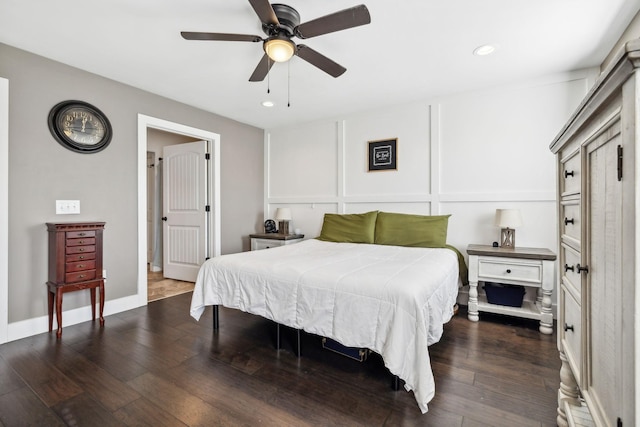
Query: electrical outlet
column 65, row 207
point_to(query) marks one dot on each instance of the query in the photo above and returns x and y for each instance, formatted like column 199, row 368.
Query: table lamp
column 283, row 216
column 508, row 219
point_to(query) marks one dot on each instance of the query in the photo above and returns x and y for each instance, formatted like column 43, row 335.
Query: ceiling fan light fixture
column 279, row 49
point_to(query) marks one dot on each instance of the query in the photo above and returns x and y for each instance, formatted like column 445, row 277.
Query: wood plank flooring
column 156, row 366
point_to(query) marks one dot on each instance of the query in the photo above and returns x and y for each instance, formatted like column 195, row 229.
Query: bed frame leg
column 216, row 320
column 395, row 383
column 277, row 336
column 298, row 352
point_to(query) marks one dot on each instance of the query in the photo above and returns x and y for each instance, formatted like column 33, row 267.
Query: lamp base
column 508, row 238
column 284, row 227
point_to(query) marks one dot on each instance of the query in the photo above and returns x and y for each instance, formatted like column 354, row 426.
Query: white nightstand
column 271, row 240
column 532, row 268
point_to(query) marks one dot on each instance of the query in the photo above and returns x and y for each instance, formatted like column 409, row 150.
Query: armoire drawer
column 570, row 219
column 569, row 268
column 571, row 332
column 570, row 175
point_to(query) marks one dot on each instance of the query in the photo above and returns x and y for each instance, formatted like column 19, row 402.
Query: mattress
column 393, row 300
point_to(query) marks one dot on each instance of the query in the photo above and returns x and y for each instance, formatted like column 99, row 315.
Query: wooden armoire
column 598, row 287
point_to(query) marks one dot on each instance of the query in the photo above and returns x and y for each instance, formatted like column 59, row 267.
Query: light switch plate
column 65, row 207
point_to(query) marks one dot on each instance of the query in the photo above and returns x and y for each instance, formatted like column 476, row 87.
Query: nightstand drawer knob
column 508, row 270
column 568, row 327
column 568, row 268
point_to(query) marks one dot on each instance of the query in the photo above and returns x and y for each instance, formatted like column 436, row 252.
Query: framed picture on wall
column 383, row 155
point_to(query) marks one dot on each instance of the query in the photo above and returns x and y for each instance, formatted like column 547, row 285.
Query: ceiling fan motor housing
column 288, row 17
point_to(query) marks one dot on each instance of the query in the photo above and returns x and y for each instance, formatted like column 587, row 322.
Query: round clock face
column 79, row 126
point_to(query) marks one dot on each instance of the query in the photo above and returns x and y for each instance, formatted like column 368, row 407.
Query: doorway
column 150, row 131
column 177, row 176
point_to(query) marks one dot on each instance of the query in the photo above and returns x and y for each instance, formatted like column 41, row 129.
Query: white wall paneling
column 464, row 155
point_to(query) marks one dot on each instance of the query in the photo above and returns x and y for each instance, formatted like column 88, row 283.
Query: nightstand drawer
column 258, row 244
column 507, row 270
column 273, row 240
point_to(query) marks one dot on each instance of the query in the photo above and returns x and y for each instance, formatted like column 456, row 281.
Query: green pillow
column 411, row 230
column 350, row 228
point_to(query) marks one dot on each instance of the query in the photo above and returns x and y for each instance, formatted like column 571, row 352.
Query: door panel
column 184, row 207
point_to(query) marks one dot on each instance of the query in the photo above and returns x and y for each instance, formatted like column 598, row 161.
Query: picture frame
column 383, row 155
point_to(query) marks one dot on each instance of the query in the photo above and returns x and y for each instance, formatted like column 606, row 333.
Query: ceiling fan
column 281, row 23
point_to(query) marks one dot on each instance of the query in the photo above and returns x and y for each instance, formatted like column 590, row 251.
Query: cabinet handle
column 81, row 257
column 568, row 327
column 568, row 221
column 81, row 276
column 568, row 267
column 164, row 218
column 508, row 270
column 80, row 265
column 81, row 241
column 81, row 250
column 567, row 174
column 82, row 234
column 582, row 268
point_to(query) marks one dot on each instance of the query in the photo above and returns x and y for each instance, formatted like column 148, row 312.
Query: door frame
column 144, row 123
column 4, row 210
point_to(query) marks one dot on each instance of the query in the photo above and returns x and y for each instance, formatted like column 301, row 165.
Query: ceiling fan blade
column 262, row 69
column 265, row 12
column 220, row 36
column 348, row 18
column 319, row 60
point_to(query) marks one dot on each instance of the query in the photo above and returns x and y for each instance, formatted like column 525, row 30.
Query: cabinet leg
column 59, row 312
column 546, row 315
column 101, row 289
column 50, row 301
column 568, row 390
column 473, row 302
column 93, row 303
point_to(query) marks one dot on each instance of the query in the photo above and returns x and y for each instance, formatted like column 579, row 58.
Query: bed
column 391, row 299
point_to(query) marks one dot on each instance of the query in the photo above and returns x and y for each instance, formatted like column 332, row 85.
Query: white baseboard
column 38, row 325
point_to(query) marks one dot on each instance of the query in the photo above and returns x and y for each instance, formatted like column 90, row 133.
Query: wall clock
column 80, row 126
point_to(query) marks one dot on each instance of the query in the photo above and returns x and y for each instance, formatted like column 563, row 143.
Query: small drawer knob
column 568, row 221
column 568, row 268
column 567, row 174
column 568, row 327
column 508, row 271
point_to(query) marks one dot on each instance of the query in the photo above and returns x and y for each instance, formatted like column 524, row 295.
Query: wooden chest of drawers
column 75, row 263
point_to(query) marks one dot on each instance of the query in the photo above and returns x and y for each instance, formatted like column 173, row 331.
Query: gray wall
column 41, row 171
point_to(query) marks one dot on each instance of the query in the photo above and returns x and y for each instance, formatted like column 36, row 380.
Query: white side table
column 271, row 240
column 532, row 268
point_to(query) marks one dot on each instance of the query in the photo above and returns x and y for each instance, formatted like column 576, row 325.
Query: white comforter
column 393, row 300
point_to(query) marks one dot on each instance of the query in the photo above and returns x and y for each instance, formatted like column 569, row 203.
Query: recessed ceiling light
column 483, row 50
column 268, row 103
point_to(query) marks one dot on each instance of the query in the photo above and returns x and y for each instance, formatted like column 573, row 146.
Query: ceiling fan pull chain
column 288, row 84
column 268, row 75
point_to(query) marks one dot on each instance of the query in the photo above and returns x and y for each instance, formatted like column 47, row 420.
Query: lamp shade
column 508, row 218
column 283, row 214
column 279, row 49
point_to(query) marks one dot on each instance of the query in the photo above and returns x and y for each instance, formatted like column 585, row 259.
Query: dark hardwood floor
column 156, row 366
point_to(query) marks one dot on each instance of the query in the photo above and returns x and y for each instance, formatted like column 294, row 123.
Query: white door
column 184, row 210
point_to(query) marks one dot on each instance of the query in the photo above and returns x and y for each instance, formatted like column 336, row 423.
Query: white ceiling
column 412, row 50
